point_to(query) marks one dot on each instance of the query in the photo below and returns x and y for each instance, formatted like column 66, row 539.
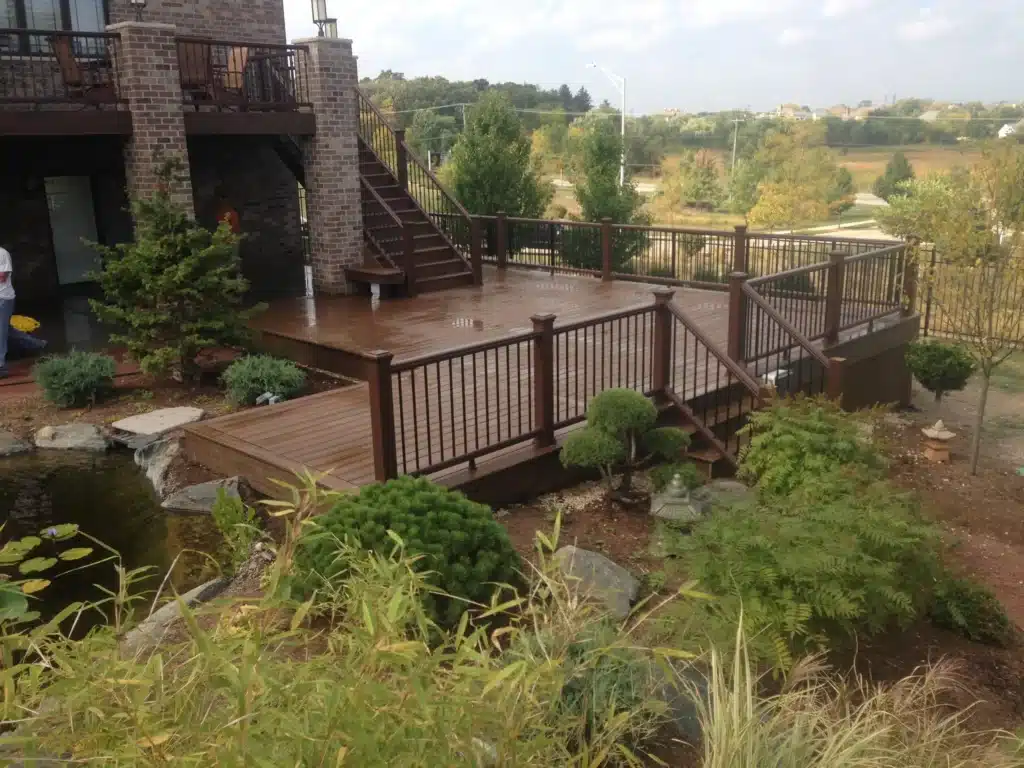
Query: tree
column 897, row 171
column 432, row 131
column 582, row 102
column 597, row 177
column 176, row 289
column 490, row 166
column 843, row 193
column 975, row 219
column 694, row 180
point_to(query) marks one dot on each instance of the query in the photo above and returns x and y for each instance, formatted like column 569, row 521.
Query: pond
column 109, row 498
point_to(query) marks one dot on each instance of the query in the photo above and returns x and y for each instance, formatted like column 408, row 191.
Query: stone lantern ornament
column 674, row 503
column 936, row 442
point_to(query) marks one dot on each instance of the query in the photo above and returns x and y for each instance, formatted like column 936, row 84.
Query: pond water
column 109, row 498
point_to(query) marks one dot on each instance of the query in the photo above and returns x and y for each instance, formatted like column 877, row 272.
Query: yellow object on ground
column 23, row 323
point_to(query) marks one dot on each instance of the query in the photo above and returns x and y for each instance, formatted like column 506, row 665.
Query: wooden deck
column 330, row 433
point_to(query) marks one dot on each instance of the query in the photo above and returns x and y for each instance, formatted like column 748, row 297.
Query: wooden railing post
column 382, row 416
column 739, row 249
column 662, row 351
column 606, row 249
column 401, row 158
column 834, row 379
column 910, row 273
column 409, row 259
column 737, row 316
column 544, row 379
column 834, row 296
column 475, row 247
column 501, row 235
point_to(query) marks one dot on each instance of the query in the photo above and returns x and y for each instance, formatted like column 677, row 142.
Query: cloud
column 833, row 8
column 795, row 35
column 927, row 26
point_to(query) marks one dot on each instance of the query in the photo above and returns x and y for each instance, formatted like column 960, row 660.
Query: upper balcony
column 62, row 83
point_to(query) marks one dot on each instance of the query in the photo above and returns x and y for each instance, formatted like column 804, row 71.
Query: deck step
column 453, row 266
column 443, row 282
column 370, row 274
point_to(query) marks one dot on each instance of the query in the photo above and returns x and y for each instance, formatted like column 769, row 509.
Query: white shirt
column 6, row 288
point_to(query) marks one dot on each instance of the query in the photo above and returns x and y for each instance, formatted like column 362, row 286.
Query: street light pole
column 620, row 83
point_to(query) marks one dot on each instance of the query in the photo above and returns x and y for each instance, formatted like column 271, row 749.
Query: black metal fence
column 55, row 67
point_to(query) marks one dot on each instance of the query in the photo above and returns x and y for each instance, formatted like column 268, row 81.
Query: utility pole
column 620, row 83
column 735, row 139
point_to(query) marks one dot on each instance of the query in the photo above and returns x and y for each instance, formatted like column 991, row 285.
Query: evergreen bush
column 940, row 368
column 176, row 289
column 464, row 550
column 620, row 435
column 76, row 379
column 971, row 610
column 249, row 377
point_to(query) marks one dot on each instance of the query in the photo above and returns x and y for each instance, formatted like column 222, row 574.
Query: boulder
column 679, row 691
column 133, row 442
column 153, row 628
column 155, row 460
column 159, row 421
column 11, row 445
column 720, row 493
column 598, row 577
column 199, row 499
column 75, row 437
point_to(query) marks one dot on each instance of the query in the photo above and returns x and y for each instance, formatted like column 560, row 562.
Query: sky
column 698, row 55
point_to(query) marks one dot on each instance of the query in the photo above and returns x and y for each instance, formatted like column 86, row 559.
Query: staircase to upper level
column 404, row 246
column 417, row 236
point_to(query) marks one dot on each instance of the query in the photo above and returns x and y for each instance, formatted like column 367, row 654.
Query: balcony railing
column 51, row 67
column 226, row 76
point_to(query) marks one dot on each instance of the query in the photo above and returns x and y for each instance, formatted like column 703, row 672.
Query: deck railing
column 61, row 68
column 449, row 408
column 243, row 76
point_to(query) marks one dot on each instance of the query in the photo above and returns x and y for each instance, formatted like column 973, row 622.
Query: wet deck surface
column 330, row 432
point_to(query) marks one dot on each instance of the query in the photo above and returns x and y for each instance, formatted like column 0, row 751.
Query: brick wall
column 264, row 193
column 152, row 87
column 260, row 21
column 332, row 164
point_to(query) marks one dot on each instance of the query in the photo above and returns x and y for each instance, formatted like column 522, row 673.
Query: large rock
column 76, row 437
column 679, row 690
column 11, row 445
column 153, row 628
column 199, row 499
column 155, row 460
column 159, row 421
column 720, row 493
column 598, row 577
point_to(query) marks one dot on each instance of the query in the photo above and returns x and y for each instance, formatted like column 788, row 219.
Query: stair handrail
column 786, row 326
column 381, row 201
column 441, row 188
column 735, row 368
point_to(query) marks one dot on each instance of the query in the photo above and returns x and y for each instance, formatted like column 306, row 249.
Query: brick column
column 148, row 70
column 333, row 202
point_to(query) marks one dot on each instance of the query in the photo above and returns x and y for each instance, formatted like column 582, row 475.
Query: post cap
column 663, row 295
column 543, row 319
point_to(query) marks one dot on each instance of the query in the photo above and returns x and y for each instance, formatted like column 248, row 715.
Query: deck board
column 330, row 432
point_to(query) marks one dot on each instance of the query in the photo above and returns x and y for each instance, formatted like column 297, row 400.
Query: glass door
column 72, row 222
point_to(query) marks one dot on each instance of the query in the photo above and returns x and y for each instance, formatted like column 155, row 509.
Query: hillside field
column 867, row 163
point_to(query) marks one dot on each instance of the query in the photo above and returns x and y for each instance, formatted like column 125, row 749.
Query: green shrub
column 798, row 283
column 800, row 439
column 620, row 434
column 461, row 544
column 249, row 377
column 707, row 274
column 661, row 475
column 837, row 557
column 237, row 524
column 76, row 379
column 940, row 368
column 971, row 610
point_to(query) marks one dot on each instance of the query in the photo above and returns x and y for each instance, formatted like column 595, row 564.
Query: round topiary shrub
column 249, row 377
column 463, row 547
column 940, row 368
column 76, row 379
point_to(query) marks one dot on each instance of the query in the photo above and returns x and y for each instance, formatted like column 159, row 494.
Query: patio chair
column 196, row 70
column 232, row 82
column 76, row 83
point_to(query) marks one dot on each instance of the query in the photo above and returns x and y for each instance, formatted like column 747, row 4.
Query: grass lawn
column 868, row 163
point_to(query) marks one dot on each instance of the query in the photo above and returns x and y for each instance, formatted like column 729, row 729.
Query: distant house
column 930, row 116
column 1011, row 129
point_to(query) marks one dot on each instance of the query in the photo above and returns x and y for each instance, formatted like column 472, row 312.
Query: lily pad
column 37, row 564
column 32, row 586
column 12, row 605
column 76, row 553
column 59, row 532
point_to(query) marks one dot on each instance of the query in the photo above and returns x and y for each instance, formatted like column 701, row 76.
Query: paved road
column 643, row 187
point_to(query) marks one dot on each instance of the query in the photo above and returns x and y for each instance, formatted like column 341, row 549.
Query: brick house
column 92, row 93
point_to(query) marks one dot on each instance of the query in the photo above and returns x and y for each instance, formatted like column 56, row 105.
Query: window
column 68, row 15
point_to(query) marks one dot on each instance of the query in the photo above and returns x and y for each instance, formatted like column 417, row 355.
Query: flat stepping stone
column 159, row 421
column 11, row 445
column 199, row 499
column 73, row 437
